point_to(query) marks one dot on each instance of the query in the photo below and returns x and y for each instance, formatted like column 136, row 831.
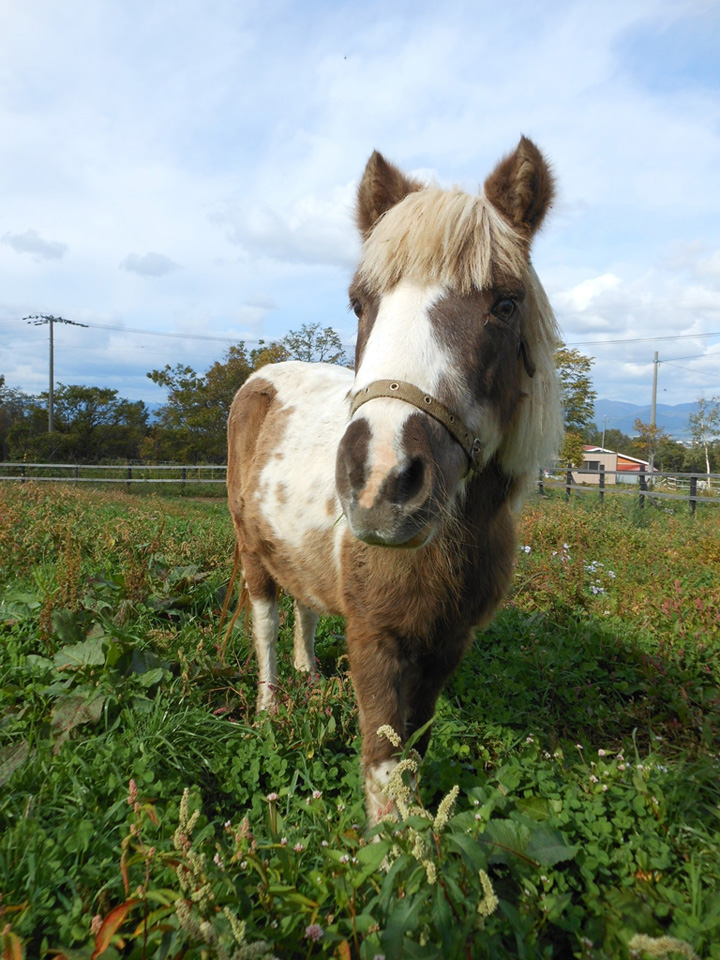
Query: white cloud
column 582, row 295
column 149, row 264
column 613, row 318
column 709, row 267
column 32, row 243
column 309, row 230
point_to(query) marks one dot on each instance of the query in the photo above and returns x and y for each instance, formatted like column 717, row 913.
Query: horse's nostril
column 355, row 473
column 409, row 482
column 351, row 464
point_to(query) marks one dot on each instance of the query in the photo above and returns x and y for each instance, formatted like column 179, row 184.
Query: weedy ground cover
column 569, row 805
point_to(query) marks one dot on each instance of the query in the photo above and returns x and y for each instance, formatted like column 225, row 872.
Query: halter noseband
column 423, row 401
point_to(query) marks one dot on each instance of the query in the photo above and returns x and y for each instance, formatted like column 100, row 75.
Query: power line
column 695, row 373
column 695, row 356
column 176, row 336
column 163, row 333
column 676, row 336
column 238, row 337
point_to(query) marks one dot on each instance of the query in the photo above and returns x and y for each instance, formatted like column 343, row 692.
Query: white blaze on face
column 402, row 346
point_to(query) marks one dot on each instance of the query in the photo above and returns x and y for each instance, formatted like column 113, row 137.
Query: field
column 569, row 805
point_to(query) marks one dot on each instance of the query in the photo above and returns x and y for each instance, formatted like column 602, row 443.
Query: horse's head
column 454, row 357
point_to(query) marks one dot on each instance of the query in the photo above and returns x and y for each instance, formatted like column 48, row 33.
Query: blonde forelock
column 445, row 237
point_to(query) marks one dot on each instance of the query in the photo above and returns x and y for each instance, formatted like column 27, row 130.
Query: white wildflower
column 445, row 809
column 388, row 733
column 489, row 902
column 662, row 946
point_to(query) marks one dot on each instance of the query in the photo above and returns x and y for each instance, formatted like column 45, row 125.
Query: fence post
column 76, row 472
column 183, row 476
column 22, row 473
column 643, row 487
column 541, row 485
column 129, row 478
column 602, row 483
column 568, row 481
column 693, row 494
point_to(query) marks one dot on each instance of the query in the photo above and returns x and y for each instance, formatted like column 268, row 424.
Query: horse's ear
column 381, row 187
column 522, row 187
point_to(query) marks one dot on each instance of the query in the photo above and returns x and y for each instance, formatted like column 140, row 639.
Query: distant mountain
column 621, row 416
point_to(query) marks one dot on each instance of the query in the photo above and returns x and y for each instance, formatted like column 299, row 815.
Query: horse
column 387, row 493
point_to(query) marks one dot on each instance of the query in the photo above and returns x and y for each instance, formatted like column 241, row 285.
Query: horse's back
column 301, row 404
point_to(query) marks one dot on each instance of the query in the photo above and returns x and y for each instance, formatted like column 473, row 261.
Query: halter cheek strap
column 423, row 401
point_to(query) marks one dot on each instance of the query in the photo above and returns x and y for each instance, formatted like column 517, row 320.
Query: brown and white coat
column 378, row 514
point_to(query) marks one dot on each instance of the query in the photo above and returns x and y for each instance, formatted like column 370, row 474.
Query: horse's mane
column 536, row 434
column 446, row 237
column 460, row 241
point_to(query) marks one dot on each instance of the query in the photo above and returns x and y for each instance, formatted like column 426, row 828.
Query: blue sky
column 189, row 168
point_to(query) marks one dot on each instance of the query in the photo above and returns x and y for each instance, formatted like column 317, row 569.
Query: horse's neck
column 487, row 493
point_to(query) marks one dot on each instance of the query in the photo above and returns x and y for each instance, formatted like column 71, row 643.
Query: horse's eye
column 357, row 307
column 504, row 308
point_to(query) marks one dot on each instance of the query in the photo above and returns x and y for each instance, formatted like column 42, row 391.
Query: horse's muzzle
column 386, row 502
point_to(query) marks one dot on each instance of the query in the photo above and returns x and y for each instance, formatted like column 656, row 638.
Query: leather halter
column 423, row 401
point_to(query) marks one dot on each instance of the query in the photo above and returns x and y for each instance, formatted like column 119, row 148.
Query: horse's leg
column 304, row 638
column 399, row 691
column 265, row 625
column 377, row 667
column 424, row 683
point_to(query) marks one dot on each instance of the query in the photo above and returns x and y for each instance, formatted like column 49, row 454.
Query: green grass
column 580, row 734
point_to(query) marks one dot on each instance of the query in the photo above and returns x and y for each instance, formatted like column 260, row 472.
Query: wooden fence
column 128, row 474
column 653, row 487
column 693, row 488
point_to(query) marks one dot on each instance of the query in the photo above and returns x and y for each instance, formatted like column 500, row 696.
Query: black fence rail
column 692, row 488
column 128, row 474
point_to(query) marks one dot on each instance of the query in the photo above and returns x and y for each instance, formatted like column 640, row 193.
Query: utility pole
column 39, row 320
column 604, row 429
column 653, row 409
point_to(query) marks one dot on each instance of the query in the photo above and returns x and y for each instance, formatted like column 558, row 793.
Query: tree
column 96, row 424
column 573, row 450
column 577, row 394
column 649, row 437
column 90, row 424
column 13, row 408
column 314, row 345
column 705, row 426
column 264, row 353
column 669, row 455
column 578, row 401
column 191, row 427
column 611, row 439
column 616, row 440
